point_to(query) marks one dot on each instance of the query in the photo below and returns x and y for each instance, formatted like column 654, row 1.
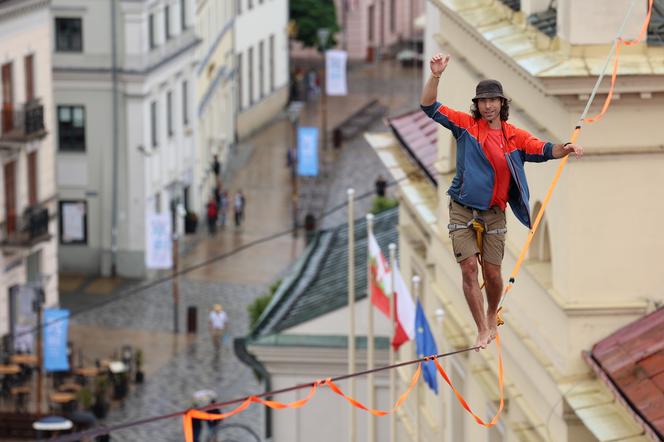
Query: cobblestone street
column 178, row 365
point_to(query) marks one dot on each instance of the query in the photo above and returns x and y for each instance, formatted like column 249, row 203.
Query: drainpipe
column 240, row 348
column 114, row 79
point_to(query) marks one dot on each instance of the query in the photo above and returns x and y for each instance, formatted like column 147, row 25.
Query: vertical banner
column 56, row 322
column 25, row 297
column 335, row 72
column 307, row 151
column 159, row 241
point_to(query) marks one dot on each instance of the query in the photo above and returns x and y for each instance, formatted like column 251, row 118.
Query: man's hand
column 438, row 63
column 560, row 151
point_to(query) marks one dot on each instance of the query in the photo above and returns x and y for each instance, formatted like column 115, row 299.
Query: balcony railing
column 24, row 124
column 31, row 229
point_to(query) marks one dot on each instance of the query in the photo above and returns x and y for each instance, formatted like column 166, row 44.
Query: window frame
column 69, row 47
column 61, row 224
column 63, row 142
column 154, row 125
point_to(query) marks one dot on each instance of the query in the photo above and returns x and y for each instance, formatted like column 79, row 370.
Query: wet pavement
column 233, row 267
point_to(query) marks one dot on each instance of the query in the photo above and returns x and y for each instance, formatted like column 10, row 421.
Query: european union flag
column 426, row 346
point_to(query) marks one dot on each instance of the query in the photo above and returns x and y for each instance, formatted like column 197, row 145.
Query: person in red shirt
column 489, row 174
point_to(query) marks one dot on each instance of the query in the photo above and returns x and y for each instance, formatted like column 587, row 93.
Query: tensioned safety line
column 106, row 430
column 617, row 42
column 212, row 260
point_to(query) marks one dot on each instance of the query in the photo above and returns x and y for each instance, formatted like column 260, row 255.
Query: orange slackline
column 563, row 162
column 187, row 419
column 202, row 415
column 463, row 401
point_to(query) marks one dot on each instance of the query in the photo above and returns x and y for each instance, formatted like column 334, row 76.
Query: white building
column 124, row 73
column 261, row 47
column 215, row 93
column 28, row 255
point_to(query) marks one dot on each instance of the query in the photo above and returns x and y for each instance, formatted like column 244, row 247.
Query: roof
column 317, row 283
column 319, row 341
column 632, row 359
column 418, row 135
column 509, row 35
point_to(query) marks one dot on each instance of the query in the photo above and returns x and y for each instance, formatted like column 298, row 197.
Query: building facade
column 585, row 275
column 215, row 92
column 28, row 258
column 124, row 75
column 261, row 64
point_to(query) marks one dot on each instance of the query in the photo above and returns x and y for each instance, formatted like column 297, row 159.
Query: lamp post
column 323, row 37
column 294, row 115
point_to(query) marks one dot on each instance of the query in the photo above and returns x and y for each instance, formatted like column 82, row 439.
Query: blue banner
column 426, row 346
column 56, row 322
column 307, row 151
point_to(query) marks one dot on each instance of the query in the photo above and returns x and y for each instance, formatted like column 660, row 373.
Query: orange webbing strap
column 616, row 62
column 202, row 415
column 361, row 406
column 461, row 399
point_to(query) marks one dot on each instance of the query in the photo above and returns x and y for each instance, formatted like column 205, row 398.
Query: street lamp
column 323, row 37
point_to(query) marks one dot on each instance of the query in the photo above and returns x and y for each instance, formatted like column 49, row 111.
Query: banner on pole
column 335, row 72
column 159, row 247
column 56, row 322
column 307, row 151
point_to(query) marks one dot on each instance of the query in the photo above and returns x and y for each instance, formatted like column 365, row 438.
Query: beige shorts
column 464, row 241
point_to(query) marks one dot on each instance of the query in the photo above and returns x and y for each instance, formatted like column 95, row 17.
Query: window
column 7, row 98
column 271, row 63
column 71, row 128
column 169, row 113
column 393, row 15
column 29, row 78
column 238, row 71
column 73, row 222
column 185, row 103
column 151, row 32
column 167, row 22
column 183, row 14
column 250, row 4
column 10, row 197
column 32, row 178
column 153, row 123
column 381, row 18
column 239, row 7
column 656, row 25
column 261, row 69
column 68, row 35
column 250, row 80
column 371, row 24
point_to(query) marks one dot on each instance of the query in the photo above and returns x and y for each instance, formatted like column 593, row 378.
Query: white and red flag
column 380, row 288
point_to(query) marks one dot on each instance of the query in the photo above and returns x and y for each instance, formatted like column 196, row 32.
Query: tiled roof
column 317, row 283
column 633, row 360
column 417, row 134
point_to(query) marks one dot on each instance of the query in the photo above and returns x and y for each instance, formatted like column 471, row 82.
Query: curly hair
column 504, row 109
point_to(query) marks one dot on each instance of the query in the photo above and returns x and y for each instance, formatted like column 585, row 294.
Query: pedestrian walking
column 217, row 321
column 239, row 206
column 489, row 174
column 216, row 166
column 212, row 216
column 381, row 185
column 223, row 208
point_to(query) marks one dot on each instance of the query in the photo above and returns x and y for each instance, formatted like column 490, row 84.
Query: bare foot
column 483, row 340
column 492, row 322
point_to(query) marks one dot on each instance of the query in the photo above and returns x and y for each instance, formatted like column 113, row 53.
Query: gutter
column 242, row 353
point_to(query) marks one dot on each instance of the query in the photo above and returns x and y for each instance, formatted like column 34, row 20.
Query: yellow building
column 595, row 263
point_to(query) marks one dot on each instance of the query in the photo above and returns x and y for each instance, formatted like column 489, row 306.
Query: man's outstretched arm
column 437, row 64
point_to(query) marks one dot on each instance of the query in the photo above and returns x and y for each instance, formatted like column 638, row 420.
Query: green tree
column 310, row 16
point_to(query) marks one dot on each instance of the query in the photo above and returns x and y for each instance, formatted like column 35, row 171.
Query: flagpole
column 393, row 421
column 351, row 310
column 370, row 336
column 416, row 291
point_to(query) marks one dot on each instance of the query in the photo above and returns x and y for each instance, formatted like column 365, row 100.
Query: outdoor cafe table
column 50, row 425
column 9, row 369
column 24, row 359
column 87, row 372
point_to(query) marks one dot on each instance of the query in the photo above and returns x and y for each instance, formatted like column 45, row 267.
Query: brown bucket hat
column 489, row 89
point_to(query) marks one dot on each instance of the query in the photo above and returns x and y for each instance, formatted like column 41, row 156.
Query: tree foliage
column 312, row 15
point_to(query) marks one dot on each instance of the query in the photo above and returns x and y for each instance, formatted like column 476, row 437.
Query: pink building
column 373, row 26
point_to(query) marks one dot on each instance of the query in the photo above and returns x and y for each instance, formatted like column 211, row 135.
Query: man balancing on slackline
column 489, row 174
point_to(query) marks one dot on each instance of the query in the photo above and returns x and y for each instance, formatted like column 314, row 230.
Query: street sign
column 307, row 151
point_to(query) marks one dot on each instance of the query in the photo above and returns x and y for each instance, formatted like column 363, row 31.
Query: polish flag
column 404, row 327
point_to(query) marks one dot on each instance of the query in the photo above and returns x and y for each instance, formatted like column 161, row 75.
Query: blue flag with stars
column 426, row 346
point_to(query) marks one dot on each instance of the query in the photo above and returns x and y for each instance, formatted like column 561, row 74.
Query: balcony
column 22, row 125
column 30, row 229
